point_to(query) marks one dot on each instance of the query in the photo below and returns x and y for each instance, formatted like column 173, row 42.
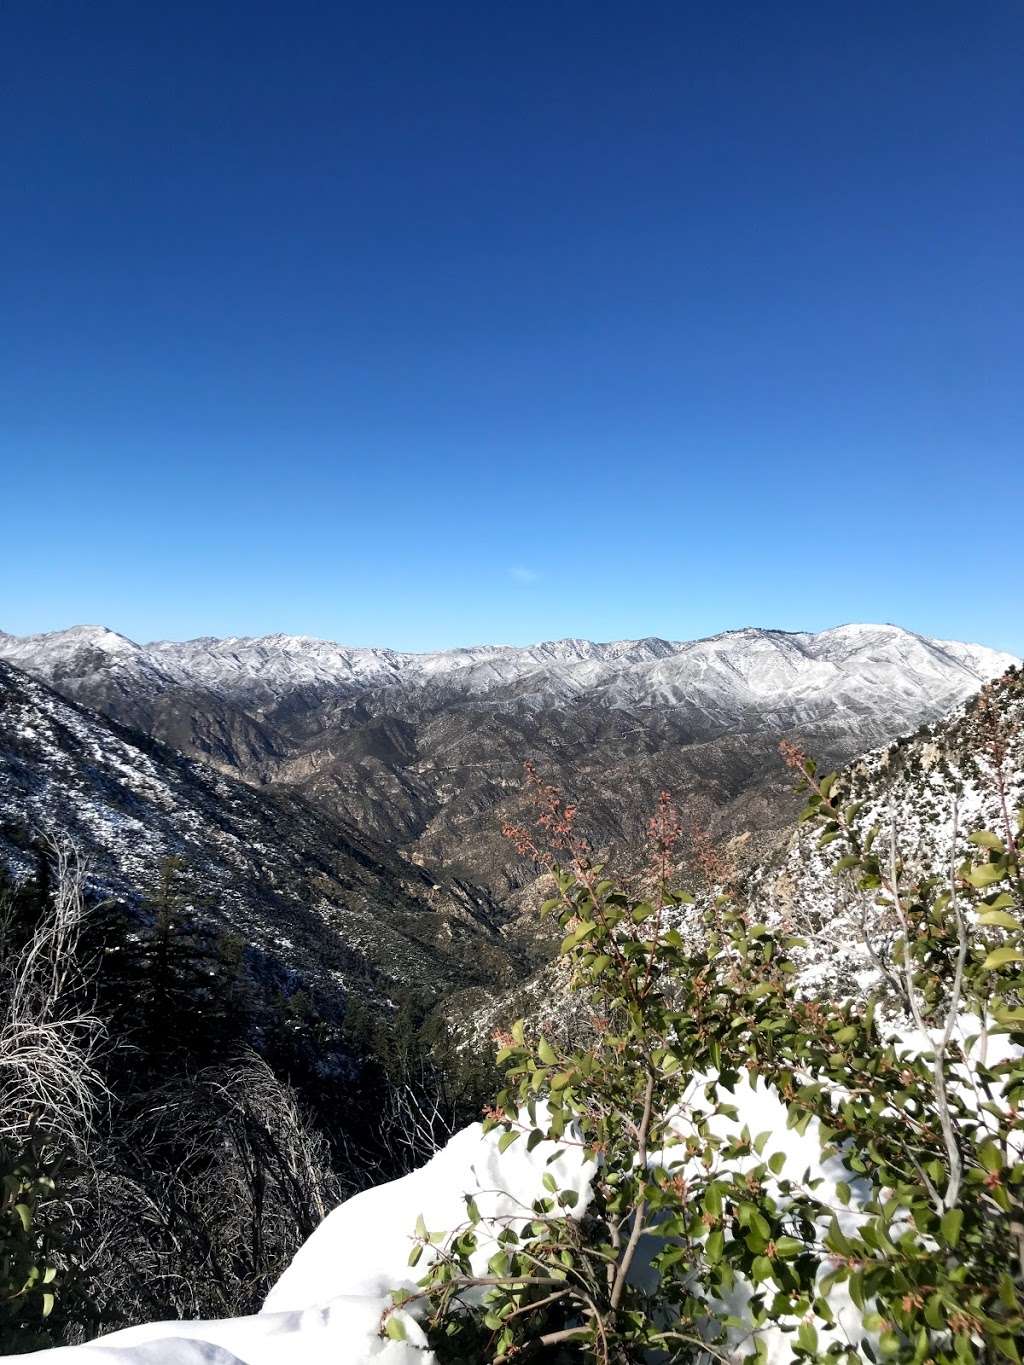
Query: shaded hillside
column 306, row 890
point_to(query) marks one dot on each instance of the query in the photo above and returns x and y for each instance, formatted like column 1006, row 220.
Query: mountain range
column 424, row 752
column 343, row 807
column 960, row 773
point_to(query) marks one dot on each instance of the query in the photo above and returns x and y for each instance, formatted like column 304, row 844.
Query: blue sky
column 433, row 324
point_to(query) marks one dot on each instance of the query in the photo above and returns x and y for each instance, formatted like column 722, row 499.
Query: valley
column 424, row 753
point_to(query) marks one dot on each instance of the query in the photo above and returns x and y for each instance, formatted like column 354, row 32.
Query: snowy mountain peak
column 734, row 667
column 74, row 638
column 78, row 650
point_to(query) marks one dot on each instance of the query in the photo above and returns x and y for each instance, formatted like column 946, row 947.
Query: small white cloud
column 520, row 574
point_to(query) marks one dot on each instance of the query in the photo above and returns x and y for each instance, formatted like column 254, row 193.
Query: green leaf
column 985, row 839
column 506, row 1140
column 546, row 1052
column 395, row 1328
column 850, row 860
column 1001, row 901
column 990, row 1157
column 1000, row 957
column 985, row 874
column 761, row 1269
column 1008, row 1347
column 807, row 1338
column 999, row 918
column 952, row 1222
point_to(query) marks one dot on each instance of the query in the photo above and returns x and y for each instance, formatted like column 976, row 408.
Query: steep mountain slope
column 311, row 894
column 425, row 752
column 962, row 773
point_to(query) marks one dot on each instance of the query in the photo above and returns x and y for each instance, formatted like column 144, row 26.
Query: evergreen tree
column 173, row 983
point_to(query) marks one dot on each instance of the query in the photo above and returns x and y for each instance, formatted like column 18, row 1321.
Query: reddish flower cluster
column 706, row 857
column 553, row 820
column 664, row 830
column 793, row 756
column 664, row 826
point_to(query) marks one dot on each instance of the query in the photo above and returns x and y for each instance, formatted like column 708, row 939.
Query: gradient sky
column 432, row 324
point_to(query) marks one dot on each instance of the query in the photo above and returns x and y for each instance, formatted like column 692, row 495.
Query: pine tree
column 173, row 983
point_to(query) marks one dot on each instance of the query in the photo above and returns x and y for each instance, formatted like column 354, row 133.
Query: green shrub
column 933, row 1135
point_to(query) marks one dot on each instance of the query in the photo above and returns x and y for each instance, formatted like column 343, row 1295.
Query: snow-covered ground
column 326, row 1308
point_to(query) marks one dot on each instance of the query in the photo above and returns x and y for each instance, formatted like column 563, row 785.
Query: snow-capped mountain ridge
column 933, row 789
column 746, row 664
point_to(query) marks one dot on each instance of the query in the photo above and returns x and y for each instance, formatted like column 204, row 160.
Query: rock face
column 320, row 903
column 424, row 752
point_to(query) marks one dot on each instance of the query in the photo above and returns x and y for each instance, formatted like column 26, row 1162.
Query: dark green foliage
column 37, row 1244
column 170, row 982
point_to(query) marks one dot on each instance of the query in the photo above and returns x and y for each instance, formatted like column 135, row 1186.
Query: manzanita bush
column 696, row 1246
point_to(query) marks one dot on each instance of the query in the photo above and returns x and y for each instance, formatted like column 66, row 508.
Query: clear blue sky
column 431, row 324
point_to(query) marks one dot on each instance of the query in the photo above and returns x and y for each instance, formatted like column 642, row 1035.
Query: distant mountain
column 424, row 752
column 318, row 901
column 724, row 674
